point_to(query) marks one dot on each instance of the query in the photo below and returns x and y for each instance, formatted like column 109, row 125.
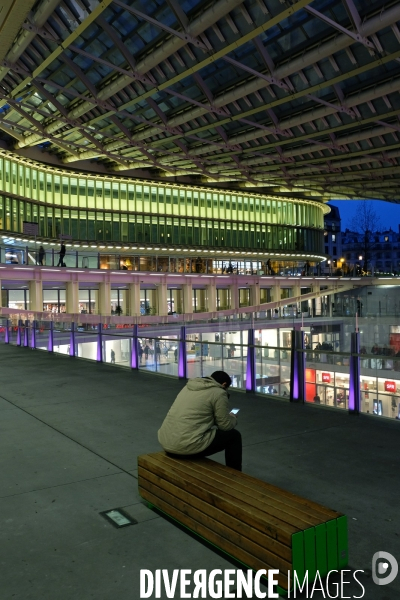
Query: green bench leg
column 321, row 549
column 331, row 537
column 343, row 542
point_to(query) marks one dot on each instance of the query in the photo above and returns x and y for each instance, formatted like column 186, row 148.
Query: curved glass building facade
column 102, row 208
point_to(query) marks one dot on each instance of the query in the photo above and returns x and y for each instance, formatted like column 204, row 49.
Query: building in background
column 384, row 251
column 333, row 239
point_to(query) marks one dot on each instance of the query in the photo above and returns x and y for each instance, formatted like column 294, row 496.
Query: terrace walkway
column 70, row 432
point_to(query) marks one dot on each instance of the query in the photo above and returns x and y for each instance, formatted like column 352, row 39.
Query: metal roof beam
column 64, row 45
column 356, row 37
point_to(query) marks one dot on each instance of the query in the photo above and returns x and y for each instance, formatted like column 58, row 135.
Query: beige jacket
column 202, row 404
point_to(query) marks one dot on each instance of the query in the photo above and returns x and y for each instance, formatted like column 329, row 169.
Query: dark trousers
column 230, row 441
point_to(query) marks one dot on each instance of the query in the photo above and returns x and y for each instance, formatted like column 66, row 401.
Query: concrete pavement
column 70, row 432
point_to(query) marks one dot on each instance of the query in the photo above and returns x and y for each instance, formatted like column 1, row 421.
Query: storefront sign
column 390, row 386
column 326, row 377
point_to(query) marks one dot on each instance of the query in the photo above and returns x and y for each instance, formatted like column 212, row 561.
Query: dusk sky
column 389, row 213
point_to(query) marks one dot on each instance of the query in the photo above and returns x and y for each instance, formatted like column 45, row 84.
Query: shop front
column 327, row 387
column 15, row 298
column 54, row 300
column 380, row 396
column 88, row 301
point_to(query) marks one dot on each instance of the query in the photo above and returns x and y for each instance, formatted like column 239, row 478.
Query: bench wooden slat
column 276, row 509
column 199, row 527
column 236, row 524
column 257, row 523
column 223, row 530
column 309, row 505
column 250, row 486
column 254, row 516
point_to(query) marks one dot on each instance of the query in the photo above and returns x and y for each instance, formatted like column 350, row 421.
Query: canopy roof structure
column 279, row 96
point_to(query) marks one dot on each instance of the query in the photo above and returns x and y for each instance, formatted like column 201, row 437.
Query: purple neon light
column 7, row 336
column 19, row 335
column 354, row 382
column 298, row 366
column 134, row 351
column 26, row 334
column 99, row 345
column 182, row 354
column 72, row 343
column 296, row 382
column 250, row 370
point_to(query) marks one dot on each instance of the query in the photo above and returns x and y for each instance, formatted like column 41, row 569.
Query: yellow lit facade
column 102, row 208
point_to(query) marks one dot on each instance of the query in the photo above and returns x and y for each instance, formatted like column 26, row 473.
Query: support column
column 36, row 295
column 330, row 307
column 354, row 383
column 251, row 363
column 26, row 334
column 201, row 300
column 99, row 343
column 234, row 295
column 72, row 341
column 134, row 348
column 182, row 362
column 316, row 302
column 254, row 295
column 50, row 343
column 187, row 293
column 296, row 292
column 298, row 367
column 162, row 305
column 275, row 292
column 212, row 297
column 105, row 298
column 7, row 336
column 133, row 298
column 72, row 297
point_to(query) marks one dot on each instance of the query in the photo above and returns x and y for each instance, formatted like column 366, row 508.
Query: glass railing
column 327, row 372
column 112, row 259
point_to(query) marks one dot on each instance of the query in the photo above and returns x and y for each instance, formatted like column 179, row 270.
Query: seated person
column 199, row 422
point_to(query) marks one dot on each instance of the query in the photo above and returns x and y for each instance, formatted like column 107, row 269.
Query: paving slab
column 70, row 433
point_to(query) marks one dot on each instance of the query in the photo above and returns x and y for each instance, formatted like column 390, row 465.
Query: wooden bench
column 258, row 524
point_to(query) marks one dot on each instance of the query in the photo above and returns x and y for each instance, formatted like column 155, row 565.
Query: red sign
column 390, row 386
column 326, row 377
column 310, row 375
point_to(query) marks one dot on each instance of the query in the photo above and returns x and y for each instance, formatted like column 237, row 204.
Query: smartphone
column 235, row 411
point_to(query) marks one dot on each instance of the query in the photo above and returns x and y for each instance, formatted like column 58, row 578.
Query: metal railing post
column 33, row 334
column 50, row 343
column 19, row 331
column 7, row 332
column 26, row 334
